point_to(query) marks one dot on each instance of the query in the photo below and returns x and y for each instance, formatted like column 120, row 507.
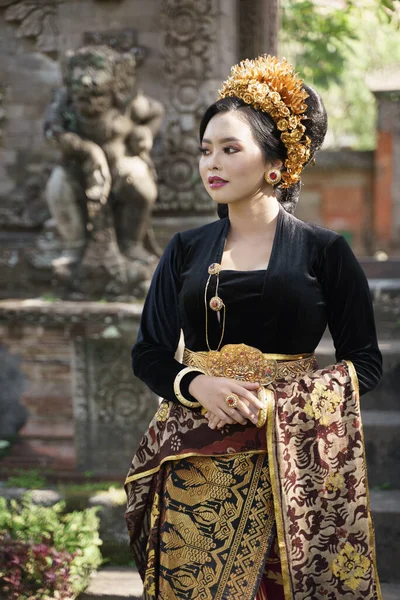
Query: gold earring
column 273, row 176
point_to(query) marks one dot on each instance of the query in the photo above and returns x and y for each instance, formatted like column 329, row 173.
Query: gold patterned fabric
column 200, row 500
column 216, row 526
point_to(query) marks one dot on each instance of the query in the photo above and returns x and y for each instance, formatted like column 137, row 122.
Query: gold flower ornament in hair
column 270, row 84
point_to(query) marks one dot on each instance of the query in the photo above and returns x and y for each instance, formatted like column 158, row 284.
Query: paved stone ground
column 114, row 583
column 121, row 584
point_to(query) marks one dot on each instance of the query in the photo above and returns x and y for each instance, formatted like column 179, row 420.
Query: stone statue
column 106, row 181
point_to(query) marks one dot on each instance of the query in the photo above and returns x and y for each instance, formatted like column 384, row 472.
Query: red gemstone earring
column 273, row 176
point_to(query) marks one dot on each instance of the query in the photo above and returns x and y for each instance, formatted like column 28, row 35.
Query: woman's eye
column 230, row 149
column 204, row 151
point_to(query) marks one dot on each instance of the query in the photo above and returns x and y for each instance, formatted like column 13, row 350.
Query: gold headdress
column 271, row 85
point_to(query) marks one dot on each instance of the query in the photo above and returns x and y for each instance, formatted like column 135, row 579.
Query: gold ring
column 232, row 400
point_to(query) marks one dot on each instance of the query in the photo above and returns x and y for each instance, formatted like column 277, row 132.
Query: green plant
column 49, row 297
column 47, row 536
column 383, row 486
column 339, row 34
column 31, row 479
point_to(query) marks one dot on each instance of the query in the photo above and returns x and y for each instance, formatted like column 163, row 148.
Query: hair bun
column 316, row 125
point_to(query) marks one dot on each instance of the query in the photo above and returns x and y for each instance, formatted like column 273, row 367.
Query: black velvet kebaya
column 313, row 280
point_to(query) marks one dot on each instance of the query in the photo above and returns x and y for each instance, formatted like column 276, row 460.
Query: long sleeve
column 158, row 338
column 350, row 313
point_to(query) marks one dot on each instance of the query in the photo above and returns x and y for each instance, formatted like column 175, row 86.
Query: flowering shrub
column 34, row 570
column 45, row 553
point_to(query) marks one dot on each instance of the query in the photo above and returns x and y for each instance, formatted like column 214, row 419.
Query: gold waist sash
column 245, row 363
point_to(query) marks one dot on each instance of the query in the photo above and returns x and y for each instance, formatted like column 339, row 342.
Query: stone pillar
column 383, row 192
column 385, row 85
column 200, row 45
column 111, row 407
column 258, row 24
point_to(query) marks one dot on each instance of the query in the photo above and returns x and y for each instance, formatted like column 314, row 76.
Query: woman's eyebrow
column 222, row 140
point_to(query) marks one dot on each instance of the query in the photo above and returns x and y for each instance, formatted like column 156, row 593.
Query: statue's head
column 98, row 78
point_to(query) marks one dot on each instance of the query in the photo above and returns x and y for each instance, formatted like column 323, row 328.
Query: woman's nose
column 213, row 163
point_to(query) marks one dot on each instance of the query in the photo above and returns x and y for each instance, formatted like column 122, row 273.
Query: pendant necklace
column 216, row 303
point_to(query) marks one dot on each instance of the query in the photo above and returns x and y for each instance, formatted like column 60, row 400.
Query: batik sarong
column 229, row 514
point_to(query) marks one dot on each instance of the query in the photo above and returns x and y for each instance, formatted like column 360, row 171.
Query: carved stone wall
column 189, row 35
column 188, row 47
column 2, row 111
column 86, row 410
column 34, row 19
column 108, row 403
column 199, row 47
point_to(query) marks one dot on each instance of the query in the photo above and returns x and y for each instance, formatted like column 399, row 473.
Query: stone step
column 385, row 506
column 391, row 591
column 382, row 446
column 386, row 395
column 121, row 583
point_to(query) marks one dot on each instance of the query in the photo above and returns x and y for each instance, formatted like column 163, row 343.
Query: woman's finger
column 247, row 395
column 248, row 410
column 236, row 415
column 248, row 385
column 220, row 415
column 212, row 421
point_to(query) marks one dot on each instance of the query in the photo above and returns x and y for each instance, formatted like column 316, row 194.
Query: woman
column 250, row 482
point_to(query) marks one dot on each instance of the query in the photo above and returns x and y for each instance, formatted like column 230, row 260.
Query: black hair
column 267, row 136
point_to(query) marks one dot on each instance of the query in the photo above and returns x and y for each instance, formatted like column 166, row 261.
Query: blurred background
column 100, row 102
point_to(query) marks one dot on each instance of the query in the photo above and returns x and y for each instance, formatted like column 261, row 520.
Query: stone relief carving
column 35, row 19
column 109, row 404
column 2, row 111
column 116, row 396
column 102, row 193
column 122, row 40
column 189, row 28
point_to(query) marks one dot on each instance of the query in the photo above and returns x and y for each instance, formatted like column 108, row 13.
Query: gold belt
column 245, row 363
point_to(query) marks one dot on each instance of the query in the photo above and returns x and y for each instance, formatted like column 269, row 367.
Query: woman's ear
column 277, row 164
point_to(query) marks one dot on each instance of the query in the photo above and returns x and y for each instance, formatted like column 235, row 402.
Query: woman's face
column 232, row 165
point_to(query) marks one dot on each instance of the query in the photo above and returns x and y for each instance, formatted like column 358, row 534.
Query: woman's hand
column 211, row 392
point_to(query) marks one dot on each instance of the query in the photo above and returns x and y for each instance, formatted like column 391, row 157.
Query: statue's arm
column 147, row 115
column 59, row 128
column 147, row 111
